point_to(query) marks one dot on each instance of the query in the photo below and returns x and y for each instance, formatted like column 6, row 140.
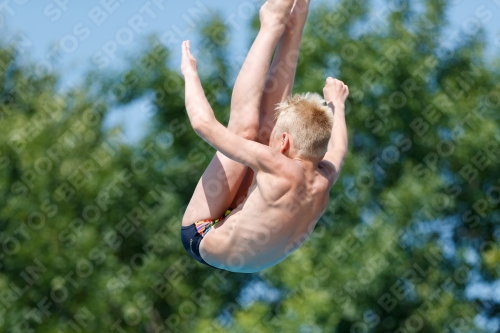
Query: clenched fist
column 335, row 92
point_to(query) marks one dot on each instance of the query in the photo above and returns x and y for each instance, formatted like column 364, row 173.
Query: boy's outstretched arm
column 335, row 93
column 204, row 123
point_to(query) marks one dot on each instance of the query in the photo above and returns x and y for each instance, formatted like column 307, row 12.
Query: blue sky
column 108, row 30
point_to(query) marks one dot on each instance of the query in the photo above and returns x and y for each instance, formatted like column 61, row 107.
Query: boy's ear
column 285, row 142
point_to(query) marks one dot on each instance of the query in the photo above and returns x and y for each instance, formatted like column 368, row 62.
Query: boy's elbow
column 201, row 126
column 197, row 127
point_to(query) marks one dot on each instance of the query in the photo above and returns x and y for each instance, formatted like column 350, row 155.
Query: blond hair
column 308, row 121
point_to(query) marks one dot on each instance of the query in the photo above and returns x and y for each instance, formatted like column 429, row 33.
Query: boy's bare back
column 278, row 215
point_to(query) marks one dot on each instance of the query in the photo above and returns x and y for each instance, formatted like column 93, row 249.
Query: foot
column 284, row 6
column 274, row 14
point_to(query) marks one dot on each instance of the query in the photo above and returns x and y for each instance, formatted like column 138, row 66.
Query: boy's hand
column 335, row 92
column 188, row 64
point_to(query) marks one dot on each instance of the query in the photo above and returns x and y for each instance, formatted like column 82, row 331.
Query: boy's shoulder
column 295, row 172
column 328, row 170
column 289, row 167
column 281, row 164
column 292, row 171
column 287, row 173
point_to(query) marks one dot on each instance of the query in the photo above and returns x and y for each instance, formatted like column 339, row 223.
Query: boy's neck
column 307, row 160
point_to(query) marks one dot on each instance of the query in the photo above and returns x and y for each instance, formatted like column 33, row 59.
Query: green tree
column 89, row 226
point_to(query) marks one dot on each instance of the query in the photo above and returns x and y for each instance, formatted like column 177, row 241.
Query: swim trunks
column 192, row 235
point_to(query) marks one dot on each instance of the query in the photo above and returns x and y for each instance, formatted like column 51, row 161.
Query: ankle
column 275, row 29
column 273, row 19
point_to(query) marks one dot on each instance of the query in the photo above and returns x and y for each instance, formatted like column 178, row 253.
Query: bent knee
column 244, row 127
column 246, row 131
column 249, row 133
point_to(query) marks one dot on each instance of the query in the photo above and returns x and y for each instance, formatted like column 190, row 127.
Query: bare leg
column 220, row 182
column 279, row 81
column 249, row 86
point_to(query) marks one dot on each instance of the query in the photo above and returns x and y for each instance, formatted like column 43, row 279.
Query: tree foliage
column 89, row 226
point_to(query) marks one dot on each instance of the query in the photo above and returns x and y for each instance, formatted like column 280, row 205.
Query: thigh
column 215, row 190
column 242, row 192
